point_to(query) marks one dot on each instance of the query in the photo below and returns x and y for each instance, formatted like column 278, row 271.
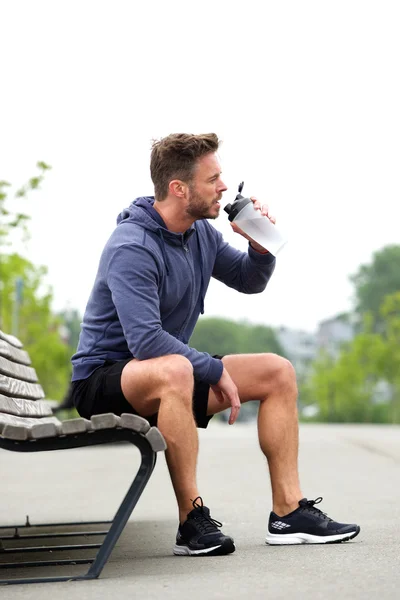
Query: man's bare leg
column 165, row 385
column 270, row 379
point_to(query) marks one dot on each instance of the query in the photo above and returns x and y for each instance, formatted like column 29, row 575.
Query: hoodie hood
column 142, row 212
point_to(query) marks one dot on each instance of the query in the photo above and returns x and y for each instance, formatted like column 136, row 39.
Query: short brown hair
column 175, row 156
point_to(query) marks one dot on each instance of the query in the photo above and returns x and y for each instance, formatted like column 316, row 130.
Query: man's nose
column 222, row 187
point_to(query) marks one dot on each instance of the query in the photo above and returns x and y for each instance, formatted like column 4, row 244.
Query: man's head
column 186, row 166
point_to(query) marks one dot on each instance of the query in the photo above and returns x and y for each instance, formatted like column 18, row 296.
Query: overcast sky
column 304, row 94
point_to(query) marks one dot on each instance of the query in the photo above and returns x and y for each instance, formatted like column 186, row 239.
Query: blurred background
column 305, row 97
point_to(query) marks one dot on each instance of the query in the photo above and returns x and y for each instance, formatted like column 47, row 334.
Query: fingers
column 233, row 399
column 234, row 414
column 237, row 229
column 226, row 391
column 263, row 208
column 235, row 403
column 219, row 396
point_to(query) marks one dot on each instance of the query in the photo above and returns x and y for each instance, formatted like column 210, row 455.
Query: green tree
column 389, row 364
column 37, row 326
column 345, row 388
column 12, row 218
column 374, row 281
column 223, row 336
column 363, row 383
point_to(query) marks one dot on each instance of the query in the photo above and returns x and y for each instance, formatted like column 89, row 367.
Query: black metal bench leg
column 148, row 461
column 125, row 510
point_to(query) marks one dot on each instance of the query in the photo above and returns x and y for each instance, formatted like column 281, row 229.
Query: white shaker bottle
column 256, row 225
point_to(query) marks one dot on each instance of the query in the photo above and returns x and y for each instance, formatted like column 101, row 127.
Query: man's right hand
column 226, row 393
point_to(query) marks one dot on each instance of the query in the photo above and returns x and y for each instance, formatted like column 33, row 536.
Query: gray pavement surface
column 355, row 468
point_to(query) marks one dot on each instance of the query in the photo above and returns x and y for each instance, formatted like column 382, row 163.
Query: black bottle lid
column 239, row 203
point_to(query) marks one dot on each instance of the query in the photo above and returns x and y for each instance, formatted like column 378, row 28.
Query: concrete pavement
column 355, row 468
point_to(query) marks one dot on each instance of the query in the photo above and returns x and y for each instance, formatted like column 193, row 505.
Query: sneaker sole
column 220, row 550
column 276, row 539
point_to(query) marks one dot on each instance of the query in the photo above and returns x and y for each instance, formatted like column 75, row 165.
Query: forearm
column 152, row 342
column 245, row 272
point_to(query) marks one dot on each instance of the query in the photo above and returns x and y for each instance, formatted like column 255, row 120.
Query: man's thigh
column 121, row 386
column 253, row 375
column 101, row 392
column 142, row 383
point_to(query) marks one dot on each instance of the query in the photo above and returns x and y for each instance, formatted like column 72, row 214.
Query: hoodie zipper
column 186, row 250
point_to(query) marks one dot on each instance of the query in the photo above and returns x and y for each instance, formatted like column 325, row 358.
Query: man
column 133, row 353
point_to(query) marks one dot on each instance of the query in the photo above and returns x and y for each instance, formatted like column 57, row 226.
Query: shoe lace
column 309, row 506
column 205, row 523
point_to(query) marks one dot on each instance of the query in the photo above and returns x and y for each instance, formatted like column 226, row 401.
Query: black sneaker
column 200, row 536
column 308, row 525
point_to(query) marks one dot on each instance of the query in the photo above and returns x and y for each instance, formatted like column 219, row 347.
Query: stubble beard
column 199, row 208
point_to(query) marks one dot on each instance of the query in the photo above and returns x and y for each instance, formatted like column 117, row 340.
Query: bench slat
column 19, row 356
column 20, row 389
column 24, row 408
column 134, row 422
column 156, row 439
column 25, row 428
column 105, row 421
column 78, row 425
column 11, row 339
column 7, row 367
column 20, row 428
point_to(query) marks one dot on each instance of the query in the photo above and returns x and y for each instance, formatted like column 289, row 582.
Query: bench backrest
column 25, row 416
column 17, row 378
column 21, row 395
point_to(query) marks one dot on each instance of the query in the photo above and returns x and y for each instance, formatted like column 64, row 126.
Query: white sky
column 304, row 94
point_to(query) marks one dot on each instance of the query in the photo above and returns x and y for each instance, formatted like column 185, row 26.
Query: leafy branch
column 16, row 219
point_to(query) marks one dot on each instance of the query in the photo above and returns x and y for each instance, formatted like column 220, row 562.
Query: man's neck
column 173, row 216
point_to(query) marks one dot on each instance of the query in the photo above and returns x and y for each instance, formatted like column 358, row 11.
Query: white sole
column 185, row 551
column 276, row 539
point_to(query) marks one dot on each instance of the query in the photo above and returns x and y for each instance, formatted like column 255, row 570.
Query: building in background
column 334, row 332
column 302, row 347
column 299, row 346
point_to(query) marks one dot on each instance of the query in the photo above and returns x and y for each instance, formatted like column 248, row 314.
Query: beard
column 199, row 208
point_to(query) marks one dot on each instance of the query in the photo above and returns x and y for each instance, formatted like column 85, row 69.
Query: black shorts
column 101, row 393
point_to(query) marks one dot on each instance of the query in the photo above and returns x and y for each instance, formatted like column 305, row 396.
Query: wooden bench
column 27, row 424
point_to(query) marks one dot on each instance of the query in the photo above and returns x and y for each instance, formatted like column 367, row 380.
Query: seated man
column 133, row 353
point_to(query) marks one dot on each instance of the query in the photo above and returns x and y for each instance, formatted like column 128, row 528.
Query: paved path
column 355, row 468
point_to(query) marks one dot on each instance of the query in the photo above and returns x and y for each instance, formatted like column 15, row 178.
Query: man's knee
column 283, row 375
column 177, row 372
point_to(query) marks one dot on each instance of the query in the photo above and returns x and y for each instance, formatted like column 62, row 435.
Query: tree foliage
column 11, row 217
column 38, row 328
column 374, row 281
column 363, row 383
column 389, row 366
column 223, row 336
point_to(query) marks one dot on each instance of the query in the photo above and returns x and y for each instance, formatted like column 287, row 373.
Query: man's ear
column 177, row 188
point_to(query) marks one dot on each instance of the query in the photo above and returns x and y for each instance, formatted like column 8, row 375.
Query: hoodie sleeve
column 245, row 272
column 133, row 279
